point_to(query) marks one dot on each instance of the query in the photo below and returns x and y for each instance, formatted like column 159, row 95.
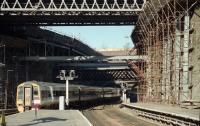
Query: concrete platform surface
column 48, row 118
column 193, row 114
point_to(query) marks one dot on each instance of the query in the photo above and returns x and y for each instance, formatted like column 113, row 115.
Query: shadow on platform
column 43, row 121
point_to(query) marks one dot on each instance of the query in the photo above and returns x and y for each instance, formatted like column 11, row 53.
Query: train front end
column 28, row 96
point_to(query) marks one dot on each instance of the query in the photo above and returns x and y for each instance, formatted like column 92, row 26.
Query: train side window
column 49, row 94
column 55, row 93
column 44, row 94
column 62, row 93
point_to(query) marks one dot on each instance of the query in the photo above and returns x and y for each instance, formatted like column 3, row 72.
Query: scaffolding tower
column 164, row 33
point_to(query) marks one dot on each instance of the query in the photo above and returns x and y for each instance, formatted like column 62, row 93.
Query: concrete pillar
column 148, row 72
column 61, row 103
column 177, row 63
column 164, row 71
column 168, row 69
column 67, row 92
column 185, row 64
column 149, row 84
column 124, row 96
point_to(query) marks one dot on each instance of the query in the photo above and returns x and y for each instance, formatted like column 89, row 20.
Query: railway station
column 50, row 78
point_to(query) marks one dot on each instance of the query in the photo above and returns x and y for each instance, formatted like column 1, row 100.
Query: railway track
column 113, row 116
column 165, row 117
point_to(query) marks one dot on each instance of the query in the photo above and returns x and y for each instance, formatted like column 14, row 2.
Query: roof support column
column 177, row 61
column 168, row 69
column 164, row 68
column 185, row 63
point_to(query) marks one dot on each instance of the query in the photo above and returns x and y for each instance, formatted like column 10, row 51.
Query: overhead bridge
column 70, row 12
column 94, row 67
column 85, row 58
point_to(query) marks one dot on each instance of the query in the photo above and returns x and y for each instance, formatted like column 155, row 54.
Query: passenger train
column 34, row 94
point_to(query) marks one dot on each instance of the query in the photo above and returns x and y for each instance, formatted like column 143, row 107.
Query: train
column 36, row 94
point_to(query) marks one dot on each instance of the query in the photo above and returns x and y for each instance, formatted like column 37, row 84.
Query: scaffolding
column 163, row 33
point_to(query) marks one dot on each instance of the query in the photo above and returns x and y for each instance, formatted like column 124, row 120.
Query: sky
column 98, row 37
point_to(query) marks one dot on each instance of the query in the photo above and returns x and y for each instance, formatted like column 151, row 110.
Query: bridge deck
column 48, row 118
column 70, row 12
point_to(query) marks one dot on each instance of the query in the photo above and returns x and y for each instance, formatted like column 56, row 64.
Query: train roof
column 43, row 85
column 47, row 84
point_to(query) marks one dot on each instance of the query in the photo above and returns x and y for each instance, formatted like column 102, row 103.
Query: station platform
column 164, row 112
column 9, row 111
column 48, row 118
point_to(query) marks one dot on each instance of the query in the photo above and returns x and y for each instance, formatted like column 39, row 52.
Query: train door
column 20, row 98
column 27, row 97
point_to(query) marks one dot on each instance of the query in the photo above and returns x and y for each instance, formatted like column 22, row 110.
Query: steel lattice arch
column 71, row 12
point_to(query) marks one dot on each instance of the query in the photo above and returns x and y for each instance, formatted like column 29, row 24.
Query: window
column 44, row 94
column 20, row 93
column 35, row 91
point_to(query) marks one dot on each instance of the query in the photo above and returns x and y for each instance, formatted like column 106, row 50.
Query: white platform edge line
column 85, row 118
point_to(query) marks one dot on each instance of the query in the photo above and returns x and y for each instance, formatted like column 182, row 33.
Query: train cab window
column 35, row 91
column 20, row 93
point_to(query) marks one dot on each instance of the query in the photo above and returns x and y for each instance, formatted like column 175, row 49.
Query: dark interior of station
column 19, row 42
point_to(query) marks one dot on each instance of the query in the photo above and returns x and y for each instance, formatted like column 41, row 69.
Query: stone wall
column 195, row 54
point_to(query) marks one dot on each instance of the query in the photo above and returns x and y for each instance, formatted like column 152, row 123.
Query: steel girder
column 70, row 12
column 84, row 58
column 32, row 7
column 106, row 75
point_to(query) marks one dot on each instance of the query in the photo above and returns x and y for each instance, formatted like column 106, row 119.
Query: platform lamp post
column 71, row 75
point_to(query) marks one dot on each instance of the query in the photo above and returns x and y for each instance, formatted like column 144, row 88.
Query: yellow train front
column 33, row 94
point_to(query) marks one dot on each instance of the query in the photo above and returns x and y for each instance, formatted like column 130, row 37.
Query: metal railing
column 74, row 6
